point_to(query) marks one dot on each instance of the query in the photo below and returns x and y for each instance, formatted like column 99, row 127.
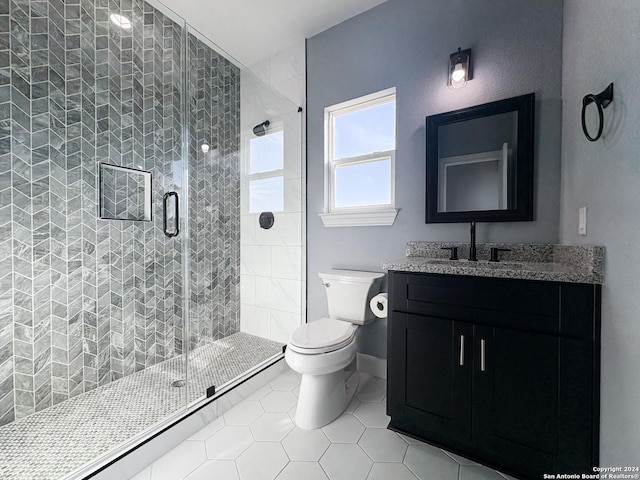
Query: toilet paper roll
column 379, row 305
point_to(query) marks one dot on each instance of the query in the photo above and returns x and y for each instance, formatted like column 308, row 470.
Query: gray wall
column 605, row 177
column 406, row 44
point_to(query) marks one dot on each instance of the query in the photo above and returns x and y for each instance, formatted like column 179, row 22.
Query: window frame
column 358, row 160
column 362, row 215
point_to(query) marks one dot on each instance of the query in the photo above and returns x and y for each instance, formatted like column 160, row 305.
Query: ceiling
column 250, row 30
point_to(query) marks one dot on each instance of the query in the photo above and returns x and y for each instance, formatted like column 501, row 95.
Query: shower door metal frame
column 184, row 205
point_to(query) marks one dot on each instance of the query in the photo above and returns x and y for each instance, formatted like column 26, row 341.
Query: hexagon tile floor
column 257, row 440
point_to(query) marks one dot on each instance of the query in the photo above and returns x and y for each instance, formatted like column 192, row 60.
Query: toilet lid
column 322, row 336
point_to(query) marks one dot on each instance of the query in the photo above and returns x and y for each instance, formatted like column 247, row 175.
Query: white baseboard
column 374, row 366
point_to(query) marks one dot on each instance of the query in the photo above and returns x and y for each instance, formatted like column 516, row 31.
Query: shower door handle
column 165, row 201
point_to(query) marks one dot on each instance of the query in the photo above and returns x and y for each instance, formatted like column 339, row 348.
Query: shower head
column 260, row 129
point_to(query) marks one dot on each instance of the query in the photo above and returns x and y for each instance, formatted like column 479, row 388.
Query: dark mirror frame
column 524, row 105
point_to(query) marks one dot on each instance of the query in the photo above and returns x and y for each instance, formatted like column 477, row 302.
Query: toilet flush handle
column 327, row 284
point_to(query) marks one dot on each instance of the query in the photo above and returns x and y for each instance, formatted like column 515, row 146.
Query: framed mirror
column 480, row 163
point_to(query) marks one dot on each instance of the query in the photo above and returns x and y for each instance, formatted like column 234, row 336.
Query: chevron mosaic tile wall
column 85, row 301
column 214, row 184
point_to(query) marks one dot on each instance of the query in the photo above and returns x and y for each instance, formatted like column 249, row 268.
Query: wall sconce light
column 260, row 129
column 460, row 70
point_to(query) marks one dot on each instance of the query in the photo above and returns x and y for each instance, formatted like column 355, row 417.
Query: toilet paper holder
column 379, row 305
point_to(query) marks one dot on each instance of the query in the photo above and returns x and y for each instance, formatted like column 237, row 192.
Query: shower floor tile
column 55, row 441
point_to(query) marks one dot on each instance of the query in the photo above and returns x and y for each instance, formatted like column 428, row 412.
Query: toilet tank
column 348, row 294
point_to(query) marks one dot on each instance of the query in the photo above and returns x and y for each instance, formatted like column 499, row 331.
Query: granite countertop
column 555, row 263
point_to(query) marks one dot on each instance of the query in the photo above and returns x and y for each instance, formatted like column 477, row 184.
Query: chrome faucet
column 472, row 245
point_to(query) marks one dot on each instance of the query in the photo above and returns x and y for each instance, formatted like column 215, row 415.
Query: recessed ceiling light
column 119, row 20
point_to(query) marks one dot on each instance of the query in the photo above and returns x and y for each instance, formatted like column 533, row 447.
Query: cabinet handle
column 482, row 355
column 462, row 350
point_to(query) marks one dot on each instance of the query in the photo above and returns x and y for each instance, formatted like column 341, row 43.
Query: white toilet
column 321, row 349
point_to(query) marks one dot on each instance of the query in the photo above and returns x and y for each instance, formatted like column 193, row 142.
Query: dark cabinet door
column 515, row 397
column 430, row 377
column 503, row 371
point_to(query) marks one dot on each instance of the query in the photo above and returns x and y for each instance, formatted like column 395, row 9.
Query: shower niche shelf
column 124, row 193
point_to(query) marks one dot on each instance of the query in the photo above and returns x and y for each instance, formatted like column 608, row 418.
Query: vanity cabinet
column 505, row 372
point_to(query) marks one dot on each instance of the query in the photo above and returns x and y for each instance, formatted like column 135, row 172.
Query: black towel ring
column 602, row 101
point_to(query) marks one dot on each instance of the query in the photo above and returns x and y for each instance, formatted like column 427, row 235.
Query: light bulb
column 458, row 73
column 205, row 147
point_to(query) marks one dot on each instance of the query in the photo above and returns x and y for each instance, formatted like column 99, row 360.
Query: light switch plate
column 582, row 221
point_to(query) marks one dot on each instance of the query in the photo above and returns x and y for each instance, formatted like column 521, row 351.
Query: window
column 265, row 171
column 360, row 143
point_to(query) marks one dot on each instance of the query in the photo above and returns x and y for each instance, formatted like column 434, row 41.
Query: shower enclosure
column 127, row 166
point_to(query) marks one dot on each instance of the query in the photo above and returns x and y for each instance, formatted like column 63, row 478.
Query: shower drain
column 178, row 383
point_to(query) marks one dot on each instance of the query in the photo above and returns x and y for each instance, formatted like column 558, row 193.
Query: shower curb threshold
column 133, row 456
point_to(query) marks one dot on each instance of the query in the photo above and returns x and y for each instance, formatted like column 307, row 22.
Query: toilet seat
column 322, row 336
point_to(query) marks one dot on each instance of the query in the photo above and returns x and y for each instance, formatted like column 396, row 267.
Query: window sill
column 378, row 218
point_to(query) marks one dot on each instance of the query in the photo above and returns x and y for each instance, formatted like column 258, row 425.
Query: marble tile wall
column 85, row 301
column 214, row 202
column 272, row 272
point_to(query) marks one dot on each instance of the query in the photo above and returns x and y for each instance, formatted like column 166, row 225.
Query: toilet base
column 323, row 398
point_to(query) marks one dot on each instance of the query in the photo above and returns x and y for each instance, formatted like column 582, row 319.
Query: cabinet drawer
column 519, row 304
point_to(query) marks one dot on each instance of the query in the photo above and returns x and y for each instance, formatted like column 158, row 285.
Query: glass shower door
column 224, row 103
column 92, row 305
column 213, row 248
